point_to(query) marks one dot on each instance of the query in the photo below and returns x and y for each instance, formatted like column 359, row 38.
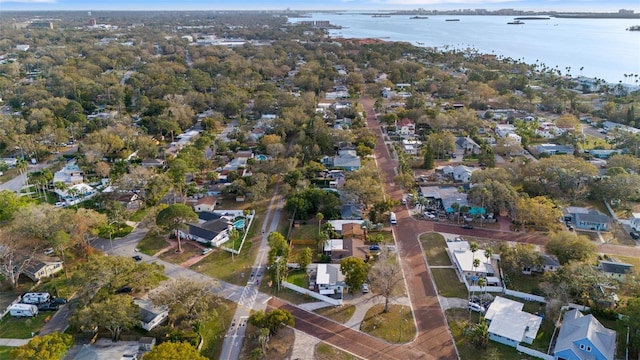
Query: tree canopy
column 47, row 347
column 170, row 350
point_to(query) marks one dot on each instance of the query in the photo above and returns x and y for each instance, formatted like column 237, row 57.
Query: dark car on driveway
column 634, row 235
column 58, row 301
column 48, row 307
column 137, row 258
column 124, row 290
column 467, row 226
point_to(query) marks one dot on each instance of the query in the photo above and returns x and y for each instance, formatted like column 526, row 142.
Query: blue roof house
column 583, row 337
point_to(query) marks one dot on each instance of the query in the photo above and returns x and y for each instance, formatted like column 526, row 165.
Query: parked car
column 374, row 248
column 124, row 290
column 476, row 307
column 58, row 301
column 467, row 226
column 365, row 288
column 206, row 251
column 48, row 307
column 634, row 235
column 137, row 258
column 403, row 201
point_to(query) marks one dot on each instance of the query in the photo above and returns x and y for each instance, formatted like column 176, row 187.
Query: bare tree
column 386, row 275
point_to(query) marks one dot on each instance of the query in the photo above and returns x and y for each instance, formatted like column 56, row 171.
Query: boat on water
column 418, row 17
column 377, row 16
column 516, row 22
column 452, row 20
column 634, row 28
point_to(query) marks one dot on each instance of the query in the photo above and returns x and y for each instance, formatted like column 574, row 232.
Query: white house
column 43, row 269
column 463, row 258
column 515, row 137
column 207, row 203
column 406, row 127
column 213, row 232
column 467, row 145
column 509, row 325
column 327, row 279
column 152, row 315
column 503, row 130
column 69, row 175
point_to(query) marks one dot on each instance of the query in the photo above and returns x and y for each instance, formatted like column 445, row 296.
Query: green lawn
column 435, row 249
column 228, row 267
column 457, row 319
column 214, row 328
column 21, row 328
column 396, row 326
column 525, row 283
column 325, row 351
column 340, row 314
column 4, row 352
column 299, row 278
column 305, row 232
column 448, row 283
column 152, row 243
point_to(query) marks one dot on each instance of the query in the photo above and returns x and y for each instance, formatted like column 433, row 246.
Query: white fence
column 313, row 294
column 536, row 353
column 525, row 296
column 481, row 289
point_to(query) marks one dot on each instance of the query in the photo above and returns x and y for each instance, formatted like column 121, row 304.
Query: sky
column 539, row 5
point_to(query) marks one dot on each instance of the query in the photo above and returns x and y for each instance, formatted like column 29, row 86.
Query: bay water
column 603, row 48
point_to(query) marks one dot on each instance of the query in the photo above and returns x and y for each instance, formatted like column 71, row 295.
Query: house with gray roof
column 615, row 269
column 587, row 219
column 212, row 232
column 346, row 159
column 467, row 145
column 554, row 149
column 584, row 337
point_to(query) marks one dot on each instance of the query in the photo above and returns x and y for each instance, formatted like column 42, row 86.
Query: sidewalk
column 13, row 342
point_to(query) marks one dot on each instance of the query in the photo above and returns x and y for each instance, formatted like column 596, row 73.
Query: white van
column 36, row 298
column 392, row 218
column 21, row 310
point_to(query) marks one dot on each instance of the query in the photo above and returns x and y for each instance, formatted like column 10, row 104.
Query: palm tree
column 487, row 254
column 319, row 216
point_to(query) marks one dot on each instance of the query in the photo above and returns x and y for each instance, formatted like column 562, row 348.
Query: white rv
column 36, row 298
column 20, row 310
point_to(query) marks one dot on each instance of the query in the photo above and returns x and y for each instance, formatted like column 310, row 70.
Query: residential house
column 502, row 130
column 444, row 197
column 153, row 163
column 406, row 127
column 463, row 258
column 152, row 315
column 43, row 269
column 212, row 232
column 584, row 337
column 603, row 154
column 339, row 249
column 467, row 145
column 347, row 160
column 554, row 149
column 549, row 263
column 548, row 130
column 69, row 175
column 460, row 173
column 411, row 146
column 326, row 279
column 509, row 325
column 515, row 137
column 587, row 219
column 615, row 269
column 207, row 203
column 338, row 225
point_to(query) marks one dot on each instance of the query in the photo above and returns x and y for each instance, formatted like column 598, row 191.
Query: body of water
column 602, row 47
